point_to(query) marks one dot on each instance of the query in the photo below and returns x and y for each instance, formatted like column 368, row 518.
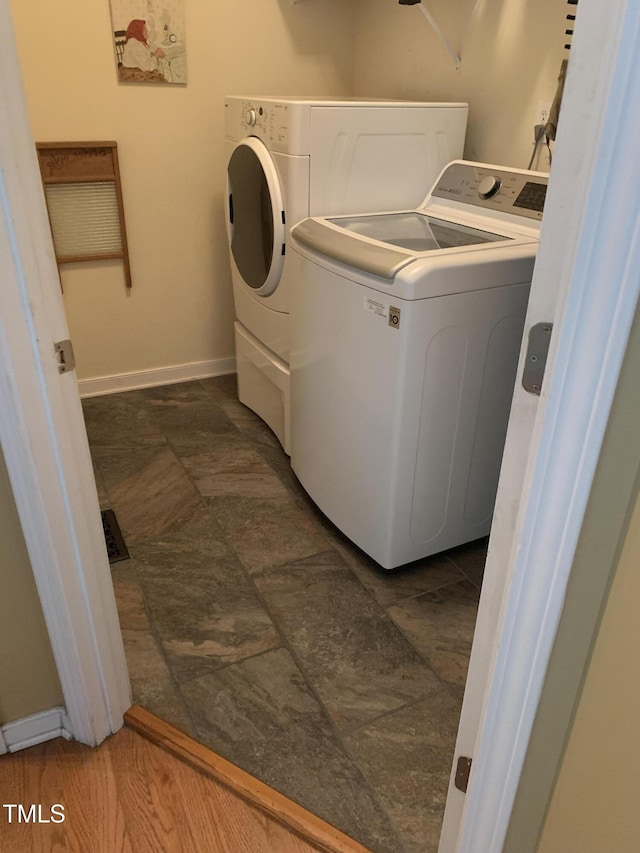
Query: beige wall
column 511, row 53
column 595, row 804
column 28, row 676
column 171, row 138
column 170, row 141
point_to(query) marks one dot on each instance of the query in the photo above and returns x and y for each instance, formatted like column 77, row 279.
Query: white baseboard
column 160, row 376
column 37, row 728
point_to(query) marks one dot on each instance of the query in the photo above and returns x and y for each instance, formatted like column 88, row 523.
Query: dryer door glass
column 251, row 213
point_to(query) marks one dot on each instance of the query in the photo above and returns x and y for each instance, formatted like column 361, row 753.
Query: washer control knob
column 489, row 186
column 251, row 117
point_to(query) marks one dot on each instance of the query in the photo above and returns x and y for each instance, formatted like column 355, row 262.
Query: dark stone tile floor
column 254, row 625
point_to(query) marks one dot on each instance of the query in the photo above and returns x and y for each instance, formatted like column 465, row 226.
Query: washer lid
column 350, row 249
column 413, row 232
column 416, row 231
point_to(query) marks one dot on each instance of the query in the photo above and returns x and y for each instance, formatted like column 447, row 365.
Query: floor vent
column 116, row 549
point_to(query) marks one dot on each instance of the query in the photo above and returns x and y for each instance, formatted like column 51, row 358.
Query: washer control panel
column 489, row 186
column 519, row 193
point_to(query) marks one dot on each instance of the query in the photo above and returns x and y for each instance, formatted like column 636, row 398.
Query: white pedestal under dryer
column 406, row 331
column 290, row 158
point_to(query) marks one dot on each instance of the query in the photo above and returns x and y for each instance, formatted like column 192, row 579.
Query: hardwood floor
column 129, row 796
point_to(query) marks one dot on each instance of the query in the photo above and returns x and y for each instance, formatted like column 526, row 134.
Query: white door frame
column 590, row 246
column 43, row 437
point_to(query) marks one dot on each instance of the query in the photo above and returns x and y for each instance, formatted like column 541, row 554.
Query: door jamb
column 588, row 348
column 43, row 437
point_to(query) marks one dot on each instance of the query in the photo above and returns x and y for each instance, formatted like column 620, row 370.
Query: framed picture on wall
column 149, row 40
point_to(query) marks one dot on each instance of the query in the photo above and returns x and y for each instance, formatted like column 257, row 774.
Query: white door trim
column 43, row 437
column 596, row 267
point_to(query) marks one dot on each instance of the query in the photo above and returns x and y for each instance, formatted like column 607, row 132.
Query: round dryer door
column 255, row 217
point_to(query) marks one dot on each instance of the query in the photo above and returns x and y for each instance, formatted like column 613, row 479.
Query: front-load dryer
column 290, row 158
column 406, row 331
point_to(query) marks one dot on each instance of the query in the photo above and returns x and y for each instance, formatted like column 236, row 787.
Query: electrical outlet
column 544, row 108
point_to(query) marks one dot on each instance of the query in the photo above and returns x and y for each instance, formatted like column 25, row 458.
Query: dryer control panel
column 271, row 120
column 282, row 126
column 519, row 193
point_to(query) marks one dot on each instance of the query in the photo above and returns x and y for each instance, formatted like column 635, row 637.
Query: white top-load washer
column 289, row 158
column 406, row 330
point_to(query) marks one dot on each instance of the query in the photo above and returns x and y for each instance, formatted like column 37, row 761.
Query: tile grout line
column 217, row 669
column 160, row 647
column 427, row 663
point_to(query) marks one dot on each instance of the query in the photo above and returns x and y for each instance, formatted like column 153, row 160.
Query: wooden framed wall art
column 149, row 41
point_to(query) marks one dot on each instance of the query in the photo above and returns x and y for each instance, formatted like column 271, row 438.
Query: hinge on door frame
column 65, row 356
column 463, row 769
column 536, row 358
